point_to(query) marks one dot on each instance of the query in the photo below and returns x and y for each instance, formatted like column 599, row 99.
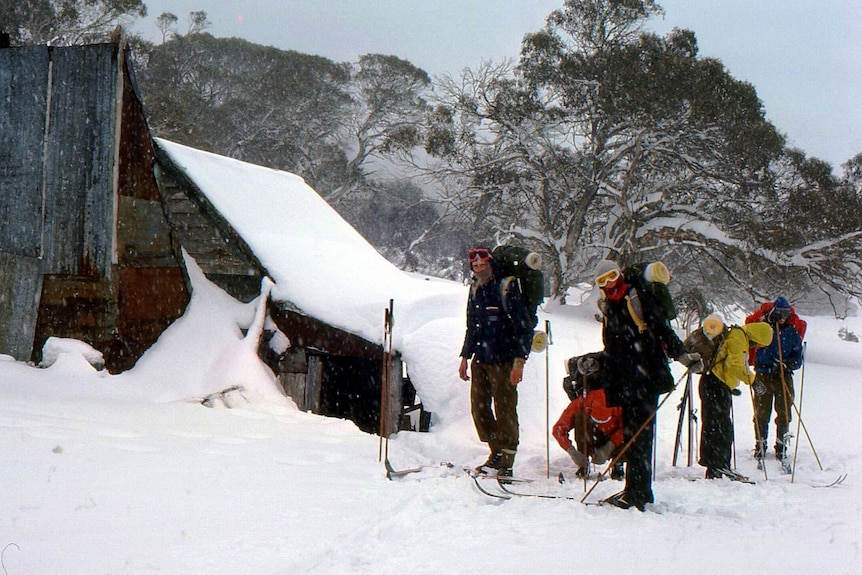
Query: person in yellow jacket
column 724, row 350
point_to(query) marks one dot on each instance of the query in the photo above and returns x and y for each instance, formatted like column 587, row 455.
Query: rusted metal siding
column 23, row 96
column 75, row 307
column 79, row 167
column 20, row 285
column 153, row 288
column 136, row 156
column 93, row 258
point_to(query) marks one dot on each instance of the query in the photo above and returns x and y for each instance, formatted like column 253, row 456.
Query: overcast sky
column 803, row 57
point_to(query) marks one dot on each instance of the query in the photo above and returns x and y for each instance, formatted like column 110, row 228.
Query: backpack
column 573, row 384
column 517, row 263
column 763, row 311
column 654, row 290
column 707, row 348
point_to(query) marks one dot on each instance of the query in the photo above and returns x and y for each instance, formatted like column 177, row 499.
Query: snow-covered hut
column 96, row 214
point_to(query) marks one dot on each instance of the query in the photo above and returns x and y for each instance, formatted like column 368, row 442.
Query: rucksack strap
column 636, row 309
column 504, row 289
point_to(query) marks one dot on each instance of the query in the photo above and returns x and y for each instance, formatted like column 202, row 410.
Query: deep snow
column 131, row 474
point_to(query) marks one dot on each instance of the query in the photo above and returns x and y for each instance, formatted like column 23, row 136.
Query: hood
column 758, row 332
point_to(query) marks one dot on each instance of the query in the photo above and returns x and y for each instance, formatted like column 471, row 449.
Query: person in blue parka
column 497, row 341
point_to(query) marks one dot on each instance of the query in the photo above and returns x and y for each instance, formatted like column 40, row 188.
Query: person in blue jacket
column 497, row 341
column 774, row 365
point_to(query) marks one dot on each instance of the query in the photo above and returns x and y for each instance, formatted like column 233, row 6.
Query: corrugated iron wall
column 23, row 94
column 85, row 248
column 79, row 167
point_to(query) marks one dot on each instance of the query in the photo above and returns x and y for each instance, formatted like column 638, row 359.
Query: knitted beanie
column 604, row 267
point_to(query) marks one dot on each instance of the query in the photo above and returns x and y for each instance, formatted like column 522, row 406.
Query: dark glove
column 588, row 365
column 692, row 361
column 578, row 458
column 759, row 387
column 735, row 391
column 603, row 453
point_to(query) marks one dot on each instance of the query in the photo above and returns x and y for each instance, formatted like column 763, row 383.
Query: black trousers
column 639, row 455
column 716, row 435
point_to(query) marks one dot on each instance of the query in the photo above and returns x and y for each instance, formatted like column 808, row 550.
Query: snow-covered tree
column 607, row 141
column 66, row 22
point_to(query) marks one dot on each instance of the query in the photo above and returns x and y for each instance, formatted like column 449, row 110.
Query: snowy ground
column 131, row 474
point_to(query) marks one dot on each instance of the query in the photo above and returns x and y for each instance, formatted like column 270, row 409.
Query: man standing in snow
column 774, row 365
column 638, row 341
column 498, row 339
column 724, row 351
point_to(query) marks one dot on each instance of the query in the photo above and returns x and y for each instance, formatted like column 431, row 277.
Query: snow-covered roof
column 319, row 263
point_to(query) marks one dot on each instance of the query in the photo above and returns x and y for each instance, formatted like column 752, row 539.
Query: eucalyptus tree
column 607, row 141
column 66, row 22
column 277, row 108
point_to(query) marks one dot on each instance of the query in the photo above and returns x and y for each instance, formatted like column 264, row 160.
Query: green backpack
column 655, row 292
column 519, row 263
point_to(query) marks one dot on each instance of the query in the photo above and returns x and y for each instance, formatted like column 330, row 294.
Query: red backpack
column 760, row 314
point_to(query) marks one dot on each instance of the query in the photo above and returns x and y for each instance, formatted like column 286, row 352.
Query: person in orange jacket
column 598, row 429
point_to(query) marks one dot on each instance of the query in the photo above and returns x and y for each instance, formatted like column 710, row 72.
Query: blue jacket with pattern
column 497, row 331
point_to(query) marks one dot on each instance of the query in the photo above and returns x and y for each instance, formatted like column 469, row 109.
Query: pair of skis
column 503, row 487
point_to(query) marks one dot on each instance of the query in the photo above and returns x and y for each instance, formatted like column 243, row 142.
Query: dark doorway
column 350, row 389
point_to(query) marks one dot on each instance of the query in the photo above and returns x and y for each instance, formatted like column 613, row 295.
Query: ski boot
column 493, row 463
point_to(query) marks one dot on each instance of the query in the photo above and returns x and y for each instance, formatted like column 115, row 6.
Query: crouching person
column 598, row 429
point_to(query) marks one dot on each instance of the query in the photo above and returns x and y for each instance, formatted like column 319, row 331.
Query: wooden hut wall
column 78, row 296
column 23, row 95
column 333, row 372
column 199, row 229
column 92, row 258
column 79, row 161
column 153, row 287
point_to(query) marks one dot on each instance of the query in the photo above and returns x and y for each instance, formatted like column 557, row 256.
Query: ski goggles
column 608, row 277
column 483, row 254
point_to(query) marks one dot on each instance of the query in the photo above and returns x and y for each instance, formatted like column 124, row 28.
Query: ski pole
column 681, row 407
column 758, row 436
column 692, row 424
column 785, row 392
column 732, row 432
column 383, row 378
column 631, row 440
column 586, row 422
column 385, row 383
column 796, row 409
column 799, row 419
column 547, row 401
column 807, row 436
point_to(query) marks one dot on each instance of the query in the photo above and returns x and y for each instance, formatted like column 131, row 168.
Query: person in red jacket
column 774, row 365
column 598, row 429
